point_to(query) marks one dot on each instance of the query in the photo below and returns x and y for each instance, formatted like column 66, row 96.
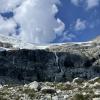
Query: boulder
column 77, row 80
column 34, row 85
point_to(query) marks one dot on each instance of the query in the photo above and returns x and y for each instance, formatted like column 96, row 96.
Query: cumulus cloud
column 67, row 36
column 61, row 27
column 36, row 19
column 80, row 24
column 9, row 5
column 7, row 26
column 92, row 3
column 87, row 4
column 75, row 2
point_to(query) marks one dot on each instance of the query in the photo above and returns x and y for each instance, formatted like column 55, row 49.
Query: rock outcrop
column 55, row 63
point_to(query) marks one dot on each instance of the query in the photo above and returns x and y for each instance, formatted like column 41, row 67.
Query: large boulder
column 34, row 85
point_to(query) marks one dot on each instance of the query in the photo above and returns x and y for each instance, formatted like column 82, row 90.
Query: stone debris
column 51, row 91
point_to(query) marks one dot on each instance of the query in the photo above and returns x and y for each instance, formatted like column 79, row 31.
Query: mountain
column 25, row 62
column 8, row 42
column 96, row 40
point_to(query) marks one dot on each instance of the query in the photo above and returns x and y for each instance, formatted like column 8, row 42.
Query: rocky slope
column 78, row 89
column 24, row 62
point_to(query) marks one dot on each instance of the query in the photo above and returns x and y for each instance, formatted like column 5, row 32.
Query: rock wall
column 53, row 64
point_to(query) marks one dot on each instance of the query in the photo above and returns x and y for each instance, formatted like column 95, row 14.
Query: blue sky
column 70, row 13
column 72, row 20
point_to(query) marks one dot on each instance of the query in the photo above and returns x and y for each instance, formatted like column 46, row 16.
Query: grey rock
column 55, row 98
column 55, row 63
column 34, row 85
column 78, row 80
column 96, row 98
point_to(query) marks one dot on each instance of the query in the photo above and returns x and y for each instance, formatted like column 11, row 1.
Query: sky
column 50, row 21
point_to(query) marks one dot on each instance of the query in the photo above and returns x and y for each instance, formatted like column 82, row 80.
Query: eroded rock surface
column 55, row 63
column 45, row 65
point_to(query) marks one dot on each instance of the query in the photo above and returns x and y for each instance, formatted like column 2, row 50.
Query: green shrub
column 78, row 97
column 30, row 93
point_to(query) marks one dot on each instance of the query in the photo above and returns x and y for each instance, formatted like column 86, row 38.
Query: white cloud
column 92, row 3
column 86, row 4
column 80, row 25
column 36, row 19
column 7, row 26
column 61, row 27
column 54, row 9
column 67, row 36
column 75, row 2
column 9, row 5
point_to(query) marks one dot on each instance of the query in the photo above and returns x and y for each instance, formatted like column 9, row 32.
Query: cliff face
column 56, row 63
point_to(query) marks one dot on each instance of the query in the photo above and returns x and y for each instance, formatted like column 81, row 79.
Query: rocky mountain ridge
column 53, row 62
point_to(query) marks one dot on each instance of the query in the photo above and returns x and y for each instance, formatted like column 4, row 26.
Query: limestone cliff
column 59, row 62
